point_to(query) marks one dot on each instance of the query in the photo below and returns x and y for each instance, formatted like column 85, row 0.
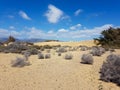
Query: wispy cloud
column 24, row 15
column 62, row 30
column 75, row 27
column 60, row 34
column 53, row 14
column 12, row 27
column 50, row 32
column 77, row 12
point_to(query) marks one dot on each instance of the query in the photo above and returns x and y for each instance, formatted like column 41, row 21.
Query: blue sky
column 65, row 20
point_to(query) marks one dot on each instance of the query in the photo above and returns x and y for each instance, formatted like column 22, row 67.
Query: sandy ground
column 87, row 43
column 55, row 73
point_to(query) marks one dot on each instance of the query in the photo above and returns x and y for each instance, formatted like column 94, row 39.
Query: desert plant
column 68, row 56
column 47, row 56
column 87, row 59
column 111, row 50
column 16, row 47
column 20, row 62
column 59, row 54
column 40, row 56
column 11, row 39
column 109, row 38
column 47, row 47
column 42, row 49
column 27, row 54
column 33, row 51
column 36, row 46
column 6, row 51
column 83, row 48
column 97, row 51
column 110, row 71
column 2, row 48
column 61, row 49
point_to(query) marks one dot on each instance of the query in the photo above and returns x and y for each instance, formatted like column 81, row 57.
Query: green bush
column 109, row 38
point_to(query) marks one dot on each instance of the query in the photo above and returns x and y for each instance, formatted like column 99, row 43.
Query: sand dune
column 87, row 43
column 55, row 73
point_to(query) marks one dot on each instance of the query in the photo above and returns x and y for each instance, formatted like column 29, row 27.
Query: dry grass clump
column 20, row 62
column 97, row 51
column 68, row 56
column 110, row 71
column 16, row 47
column 73, row 48
column 87, row 59
column 61, row 49
column 40, row 56
column 59, row 54
column 2, row 48
column 111, row 50
column 47, row 56
column 27, row 54
column 33, row 51
column 6, row 51
column 83, row 48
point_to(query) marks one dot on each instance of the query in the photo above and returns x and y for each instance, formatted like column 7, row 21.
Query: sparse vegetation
column 87, row 59
column 20, row 62
column 15, row 48
column 40, row 56
column 11, row 39
column 109, row 38
column 97, row 51
column 110, row 71
column 27, row 54
column 83, row 48
column 61, row 49
column 59, row 54
column 68, row 56
column 47, row 56
column 33, row 51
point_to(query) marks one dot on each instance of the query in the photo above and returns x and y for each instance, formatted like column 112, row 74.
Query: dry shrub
column 40, row 56
column 87, row 59
column 97, row 51
column 68, row 56
column 83, row 48
column 20, row 62
column 61, row 49
column 110, row 71
column 47, row 56
column 33, row 51
column 59, row 54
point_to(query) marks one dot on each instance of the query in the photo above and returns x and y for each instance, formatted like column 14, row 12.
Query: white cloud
column 24, row 15
column 12, row 27
column 6, row 33
column 49, row 32
column 62, row 30
column 53, row 14
column 77, row 12
column 75, row 27
column 63, row 34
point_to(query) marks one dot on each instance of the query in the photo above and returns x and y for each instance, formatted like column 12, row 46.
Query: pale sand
column 53, row 74
column 87, row 43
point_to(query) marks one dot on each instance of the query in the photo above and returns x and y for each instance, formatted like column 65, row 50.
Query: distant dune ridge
column 71, row 43
column 55, row 73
